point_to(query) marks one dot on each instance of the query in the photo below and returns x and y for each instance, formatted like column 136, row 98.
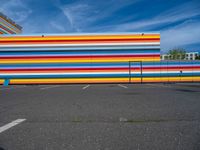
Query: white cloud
column 184, row 11
column 57, row 26
column 15, row 9
column 76, row 14
column 185, row 34
column 82, row 15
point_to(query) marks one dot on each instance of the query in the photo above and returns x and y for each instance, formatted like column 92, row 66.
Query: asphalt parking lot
column 100, row 117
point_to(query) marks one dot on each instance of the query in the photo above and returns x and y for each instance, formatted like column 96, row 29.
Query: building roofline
column 94, row 33
column 10, row 21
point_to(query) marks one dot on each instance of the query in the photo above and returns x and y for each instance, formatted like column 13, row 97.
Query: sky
column 178, row 21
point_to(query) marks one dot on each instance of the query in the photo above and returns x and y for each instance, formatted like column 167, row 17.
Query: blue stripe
column 99, row 75
column 57, row 48
column 83, row 52
column 65, row 64
column 63, row 76
column 93, row 64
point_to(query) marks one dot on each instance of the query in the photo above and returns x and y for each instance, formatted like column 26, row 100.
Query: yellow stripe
column 159, row 79
column 135, row 80
column 100, row 80
column 171, row 79
column 190, row 78
column 1, row 81
column 79, row 37
column 79, row 60
column 196, row 79
column 68, row 80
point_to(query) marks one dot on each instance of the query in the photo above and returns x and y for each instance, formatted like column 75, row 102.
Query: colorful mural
column 89, row 58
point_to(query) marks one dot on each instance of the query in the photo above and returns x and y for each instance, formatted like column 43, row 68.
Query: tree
column 197, row 57
column 177, row 54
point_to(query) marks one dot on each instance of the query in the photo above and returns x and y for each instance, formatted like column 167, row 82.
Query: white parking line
column 123, row 86
column 49, row 87
column 85, row 87
column 11, row 124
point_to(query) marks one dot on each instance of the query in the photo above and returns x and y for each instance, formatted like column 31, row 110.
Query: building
column 188, row 56
column 165, row 57
column 191, row 55
column 89, row 58
column 8, row 26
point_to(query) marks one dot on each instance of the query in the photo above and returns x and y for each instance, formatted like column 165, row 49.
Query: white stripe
column 156, row 72
column 11, row 124
column 85, row 87
column 122, row 86
column 99, row 44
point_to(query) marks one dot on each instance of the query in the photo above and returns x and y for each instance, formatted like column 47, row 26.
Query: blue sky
column 178, row 21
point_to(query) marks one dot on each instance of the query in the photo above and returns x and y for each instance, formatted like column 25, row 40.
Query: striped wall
column 79, row 48
column 165, row 71
column 113, row 72
column 7, row 26
column 89, row 58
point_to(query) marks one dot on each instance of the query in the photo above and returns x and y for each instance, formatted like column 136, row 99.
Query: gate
column 135, row 72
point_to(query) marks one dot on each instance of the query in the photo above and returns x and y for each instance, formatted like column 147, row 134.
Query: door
column 135, row 72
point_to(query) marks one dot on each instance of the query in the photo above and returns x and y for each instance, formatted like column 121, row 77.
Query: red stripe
column 86, row 56
column 82, row 40
column 62, row 69
column 76, row 69
column 173, row 67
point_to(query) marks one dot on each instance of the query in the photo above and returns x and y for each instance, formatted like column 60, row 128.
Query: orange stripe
column 79, row 42
column 106, row 36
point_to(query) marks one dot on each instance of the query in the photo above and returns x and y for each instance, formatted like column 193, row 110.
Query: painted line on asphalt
column 85, row 87
column 123, row 86
column 49, row 87
column 11, row 124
